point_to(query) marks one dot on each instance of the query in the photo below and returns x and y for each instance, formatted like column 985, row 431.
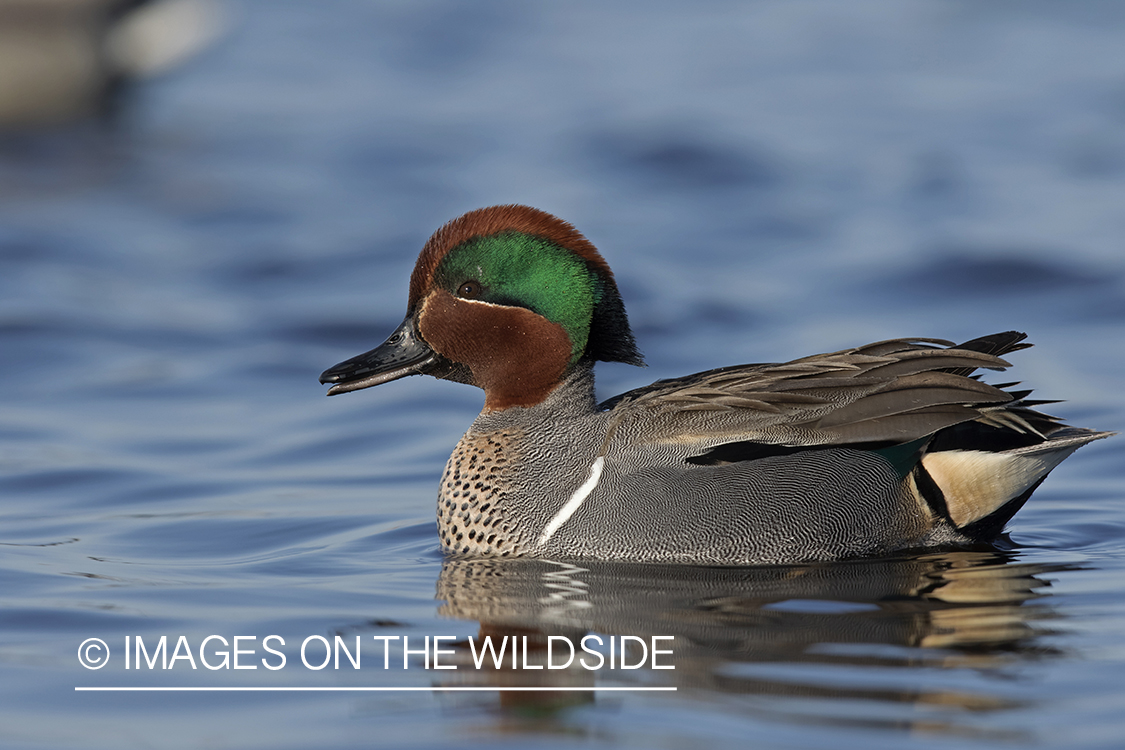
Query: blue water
column 768, row 180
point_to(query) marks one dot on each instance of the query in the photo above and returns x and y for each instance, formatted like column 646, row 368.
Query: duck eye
column 469, row 290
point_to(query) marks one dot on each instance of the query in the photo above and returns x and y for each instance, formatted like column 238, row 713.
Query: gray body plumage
column 887, row 446
column 744, row 465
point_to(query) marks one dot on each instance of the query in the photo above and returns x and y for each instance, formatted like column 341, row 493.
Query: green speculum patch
column 527, row 271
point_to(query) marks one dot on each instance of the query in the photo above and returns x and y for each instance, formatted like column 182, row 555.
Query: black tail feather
column 996, row 344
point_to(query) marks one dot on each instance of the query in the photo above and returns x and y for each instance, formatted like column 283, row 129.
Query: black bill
column 404, row 353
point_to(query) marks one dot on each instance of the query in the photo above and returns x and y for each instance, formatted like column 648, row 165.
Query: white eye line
column 482, row 302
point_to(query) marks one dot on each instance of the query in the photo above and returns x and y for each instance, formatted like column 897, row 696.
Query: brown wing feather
column 897, row 390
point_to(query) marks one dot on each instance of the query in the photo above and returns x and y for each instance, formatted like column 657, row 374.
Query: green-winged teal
column 884, row 447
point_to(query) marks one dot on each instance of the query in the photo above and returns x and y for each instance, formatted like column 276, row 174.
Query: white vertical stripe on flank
column 575, row 500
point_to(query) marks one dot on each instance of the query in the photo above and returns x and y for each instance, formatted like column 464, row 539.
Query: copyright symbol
column 93, row 653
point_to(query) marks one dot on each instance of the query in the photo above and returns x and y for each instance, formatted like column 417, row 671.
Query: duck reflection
column 869, row 630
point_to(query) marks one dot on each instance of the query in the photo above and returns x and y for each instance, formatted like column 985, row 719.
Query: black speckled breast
column 472, row 516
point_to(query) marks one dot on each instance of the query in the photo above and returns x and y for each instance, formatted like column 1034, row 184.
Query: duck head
column 507, row 298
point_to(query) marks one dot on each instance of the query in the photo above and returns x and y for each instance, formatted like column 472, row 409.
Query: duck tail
column 996, row 344
column 978, row 491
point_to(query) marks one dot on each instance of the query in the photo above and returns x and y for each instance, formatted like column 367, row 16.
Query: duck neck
column 576, row 391
column 573, row 396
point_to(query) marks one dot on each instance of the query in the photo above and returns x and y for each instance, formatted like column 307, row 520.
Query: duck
column 876, row 450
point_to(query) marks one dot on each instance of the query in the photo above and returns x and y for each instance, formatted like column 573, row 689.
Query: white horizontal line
column 445, row 689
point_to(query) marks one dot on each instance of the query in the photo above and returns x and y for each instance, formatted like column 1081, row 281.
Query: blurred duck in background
column 68, row 60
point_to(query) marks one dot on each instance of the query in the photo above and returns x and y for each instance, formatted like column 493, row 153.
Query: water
column 767, row 180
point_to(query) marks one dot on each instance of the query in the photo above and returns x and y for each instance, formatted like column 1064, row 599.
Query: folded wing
column 884, row 393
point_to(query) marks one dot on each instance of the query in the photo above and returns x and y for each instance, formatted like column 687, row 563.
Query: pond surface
column 767, row 180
